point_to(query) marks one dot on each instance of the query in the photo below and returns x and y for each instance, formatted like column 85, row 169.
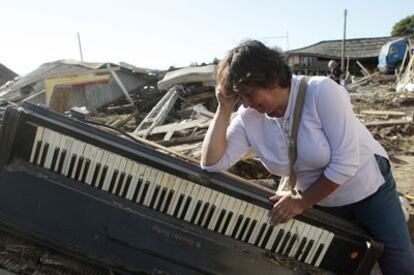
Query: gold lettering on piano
column 176, row 237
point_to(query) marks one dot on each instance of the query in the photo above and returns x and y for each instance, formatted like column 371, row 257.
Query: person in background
column 340, row 167
column 334, row 71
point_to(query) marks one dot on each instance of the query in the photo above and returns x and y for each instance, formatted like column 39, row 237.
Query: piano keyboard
column 177, row 197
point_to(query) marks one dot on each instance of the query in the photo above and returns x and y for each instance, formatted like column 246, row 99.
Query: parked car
column 392, row 54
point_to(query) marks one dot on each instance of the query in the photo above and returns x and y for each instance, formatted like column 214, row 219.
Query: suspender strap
column 297, row 114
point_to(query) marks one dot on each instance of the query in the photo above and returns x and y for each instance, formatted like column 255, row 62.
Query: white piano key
column 45, row 140
column 38, row 137
column 205, row 198
column 262, row 218
column 286, row 227
column 61, row 146
column 218, row 201
column 138, row 183
column 121, row 169
column 273, row 236
column 78, row 151
column 253, row 217
column 229, row 208
column 112, row 163
column 195, row 196
column 326, row 244
column 175, row 197
column 301, row 232
column 94, row 155
column 246, row 214
column 169, row 184
column 106, row 156
column 159, row 201
column 66, row 161
column 187, row 193
column 128, row 172
column 146, row 184
column 53, row 139
column 134, row 181
column 235, row 210
column 211, row 201
column 86, row 154
column 239, row 212
column 318, row 234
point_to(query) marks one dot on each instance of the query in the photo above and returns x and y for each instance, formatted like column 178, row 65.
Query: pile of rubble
column 171, row 110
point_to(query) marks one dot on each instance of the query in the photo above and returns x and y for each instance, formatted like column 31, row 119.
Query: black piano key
column 266, row 237
column 61, row 161
column 162, row 198
column 250, row 230
column 54, row 159
column 113, row 180
column 178, row 206
column 137, row 188
column 318, row 252
column 71, row 164
column 243, row 228
column 95, row 174
column 120, row 184
column 37, row 151
column 144, row 192
column 103, row 176
column 284, row 242
column 227, row 222
column 236, row 227
column 300, row 248
column 185, row 209
column 168, row 201
column 307, row 249
column 79, row 168
column 260, row 234
column 154, row 196
column 291, row 243
column 196, row 210
column 127, row 185
column 278, row 238
column 219, row 220
column 44, row 154
column 203, row 213
column 209, row 216
column 85, row 170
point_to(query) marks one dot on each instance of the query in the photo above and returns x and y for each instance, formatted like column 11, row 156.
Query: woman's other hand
column 285, row 207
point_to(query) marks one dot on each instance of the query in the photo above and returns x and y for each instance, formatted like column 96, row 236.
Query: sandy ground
column 404, row 176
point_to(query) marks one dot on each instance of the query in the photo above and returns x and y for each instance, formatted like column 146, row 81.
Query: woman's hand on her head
column 285, row 207
column 225, row 101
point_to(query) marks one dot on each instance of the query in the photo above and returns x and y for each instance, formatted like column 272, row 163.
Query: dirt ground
column 397, row 140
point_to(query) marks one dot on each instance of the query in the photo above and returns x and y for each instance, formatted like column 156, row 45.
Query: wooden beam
column 176, row 127
column 390, row 122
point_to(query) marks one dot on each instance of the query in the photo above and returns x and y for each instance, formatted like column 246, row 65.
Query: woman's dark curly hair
column 252, row 64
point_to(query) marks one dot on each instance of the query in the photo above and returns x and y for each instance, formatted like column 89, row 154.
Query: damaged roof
column 357, row 48
column 6, row 74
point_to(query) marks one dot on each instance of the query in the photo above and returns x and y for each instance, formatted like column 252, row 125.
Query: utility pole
column 343, row 44
column 80, row 47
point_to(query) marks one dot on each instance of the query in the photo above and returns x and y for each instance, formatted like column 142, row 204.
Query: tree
column 404, row 27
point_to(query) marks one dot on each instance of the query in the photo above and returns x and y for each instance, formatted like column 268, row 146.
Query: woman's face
column 272, row 101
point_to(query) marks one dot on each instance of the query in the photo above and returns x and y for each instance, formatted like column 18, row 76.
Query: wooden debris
column 158, row 114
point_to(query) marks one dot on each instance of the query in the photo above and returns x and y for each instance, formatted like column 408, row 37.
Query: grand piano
column 114, row 202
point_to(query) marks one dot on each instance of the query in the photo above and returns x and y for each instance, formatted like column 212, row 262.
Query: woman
column 340, row 167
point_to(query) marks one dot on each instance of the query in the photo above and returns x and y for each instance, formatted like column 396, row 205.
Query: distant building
column 6, row 74
column 313, row 59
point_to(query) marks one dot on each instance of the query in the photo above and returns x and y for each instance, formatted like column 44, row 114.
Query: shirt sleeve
column 237, row 146
column 340, row 127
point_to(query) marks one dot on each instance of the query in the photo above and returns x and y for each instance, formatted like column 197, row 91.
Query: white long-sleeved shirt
column 331, row 140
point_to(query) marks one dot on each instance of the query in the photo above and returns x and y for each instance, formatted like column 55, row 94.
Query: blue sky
column 161, row 33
